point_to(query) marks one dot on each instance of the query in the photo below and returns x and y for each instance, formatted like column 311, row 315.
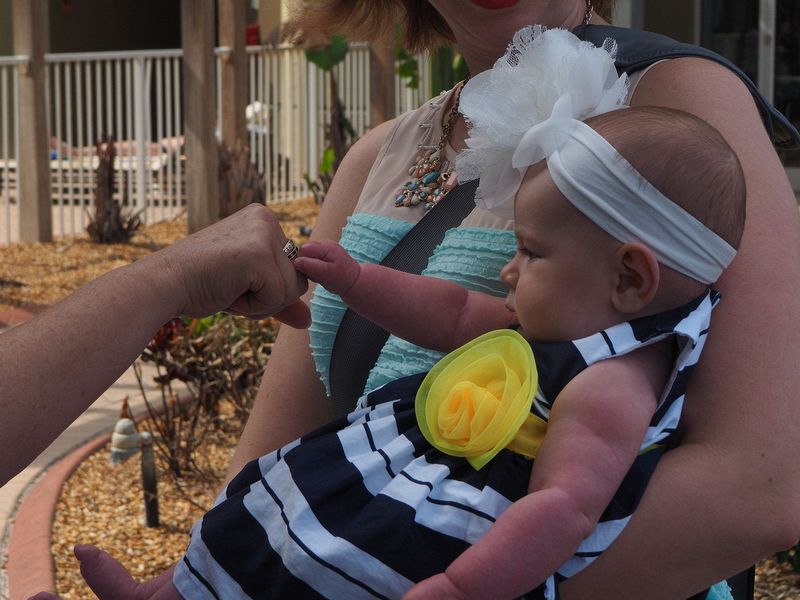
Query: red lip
column 495, row 4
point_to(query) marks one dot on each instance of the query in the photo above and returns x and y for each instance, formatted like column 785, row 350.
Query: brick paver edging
column 29, row 566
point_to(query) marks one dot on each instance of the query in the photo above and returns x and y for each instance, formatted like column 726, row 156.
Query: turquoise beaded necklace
column 432, row 175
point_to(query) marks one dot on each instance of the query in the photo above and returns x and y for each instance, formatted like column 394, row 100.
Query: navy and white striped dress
column 365, row 507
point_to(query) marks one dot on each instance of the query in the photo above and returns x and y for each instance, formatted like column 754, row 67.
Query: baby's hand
column 438, row 587
column 328, row 264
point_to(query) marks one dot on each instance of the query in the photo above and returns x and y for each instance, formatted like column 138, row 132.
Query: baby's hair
column 686, row 159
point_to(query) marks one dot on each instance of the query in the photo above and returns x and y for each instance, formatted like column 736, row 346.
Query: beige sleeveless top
column 413, row 132
column 471, row 254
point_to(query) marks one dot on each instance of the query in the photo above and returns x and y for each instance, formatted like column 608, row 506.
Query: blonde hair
column 423, row 28
column 686, row 159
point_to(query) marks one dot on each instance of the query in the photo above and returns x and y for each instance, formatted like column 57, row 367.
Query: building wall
column 6, row 41
column 100, row 25
column 675, row 19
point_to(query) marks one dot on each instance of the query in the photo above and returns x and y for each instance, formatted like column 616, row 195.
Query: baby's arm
column 593, row 436
column 426, row 311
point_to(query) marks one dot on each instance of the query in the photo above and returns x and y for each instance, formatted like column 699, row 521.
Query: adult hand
column 89, row 338
column 236, row 265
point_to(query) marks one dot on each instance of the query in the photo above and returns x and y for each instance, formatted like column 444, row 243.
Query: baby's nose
column 509, row 275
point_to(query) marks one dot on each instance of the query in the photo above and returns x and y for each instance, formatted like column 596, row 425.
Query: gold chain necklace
column 432, row 175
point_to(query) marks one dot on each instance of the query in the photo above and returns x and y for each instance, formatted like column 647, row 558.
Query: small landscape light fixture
column 125, row 442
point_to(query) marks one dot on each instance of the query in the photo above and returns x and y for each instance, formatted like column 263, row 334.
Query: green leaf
column 327, row 57
column 198, row 326
column 328, row 158
column 460, row 69
column 407, row 67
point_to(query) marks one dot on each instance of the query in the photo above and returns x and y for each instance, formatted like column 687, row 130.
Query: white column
column 766, row 48
column 629, row 13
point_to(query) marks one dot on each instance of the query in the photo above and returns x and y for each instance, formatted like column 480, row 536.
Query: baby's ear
column 636, row 278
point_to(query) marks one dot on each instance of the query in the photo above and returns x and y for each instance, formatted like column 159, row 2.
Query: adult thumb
column 295, row 315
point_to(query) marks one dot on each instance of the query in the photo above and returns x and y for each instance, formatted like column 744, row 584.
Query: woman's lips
column 492, row 4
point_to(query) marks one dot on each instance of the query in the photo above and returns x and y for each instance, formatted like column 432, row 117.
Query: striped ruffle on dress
column 365, row 507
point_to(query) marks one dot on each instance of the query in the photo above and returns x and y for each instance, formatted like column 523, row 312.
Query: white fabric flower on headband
column 518, row 110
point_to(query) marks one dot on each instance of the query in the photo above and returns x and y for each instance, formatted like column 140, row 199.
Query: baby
column 391, row 501
column 607, row 420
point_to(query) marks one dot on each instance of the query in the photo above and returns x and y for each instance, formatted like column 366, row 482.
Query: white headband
column 619, row 200
column 529, row 107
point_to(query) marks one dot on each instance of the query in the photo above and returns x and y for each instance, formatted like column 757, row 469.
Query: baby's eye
column 530, row 255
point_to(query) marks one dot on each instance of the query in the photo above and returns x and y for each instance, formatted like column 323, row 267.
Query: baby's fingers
column 313, row 268
column 317, row 249
column 328, row 264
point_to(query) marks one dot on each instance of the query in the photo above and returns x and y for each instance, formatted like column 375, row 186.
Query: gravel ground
column 43, row 273
column 102, row 503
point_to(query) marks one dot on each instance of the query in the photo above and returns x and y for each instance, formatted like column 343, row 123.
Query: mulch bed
column 102, row 503
column 43, row 273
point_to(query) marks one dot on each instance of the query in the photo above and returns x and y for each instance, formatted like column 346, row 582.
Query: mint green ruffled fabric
column 368, row 238
column 471, row 257
column 720, row 591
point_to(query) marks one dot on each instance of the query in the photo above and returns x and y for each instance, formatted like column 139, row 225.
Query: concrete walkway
column 98, row 419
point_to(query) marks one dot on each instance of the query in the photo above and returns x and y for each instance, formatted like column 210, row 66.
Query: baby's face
column 560, row 279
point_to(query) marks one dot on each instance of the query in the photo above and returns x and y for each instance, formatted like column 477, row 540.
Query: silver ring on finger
column 291, row 250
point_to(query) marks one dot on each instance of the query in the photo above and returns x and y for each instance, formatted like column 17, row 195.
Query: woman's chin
column 495, row 4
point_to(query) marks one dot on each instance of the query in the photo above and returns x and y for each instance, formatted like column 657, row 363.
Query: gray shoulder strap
column 358, row 342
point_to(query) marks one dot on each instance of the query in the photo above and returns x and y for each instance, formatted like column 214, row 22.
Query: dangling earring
column 587, row 18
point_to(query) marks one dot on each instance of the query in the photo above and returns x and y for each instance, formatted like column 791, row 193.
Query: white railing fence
column 136, row 98
column 133, row 97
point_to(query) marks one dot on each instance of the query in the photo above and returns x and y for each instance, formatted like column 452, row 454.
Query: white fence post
column 141, row 127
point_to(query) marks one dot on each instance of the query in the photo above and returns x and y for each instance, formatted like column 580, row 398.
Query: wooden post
column 232, row 22
column 381, row 81
column 199, row 112
column 270, row 17
column 149, row 481
column 30, row 38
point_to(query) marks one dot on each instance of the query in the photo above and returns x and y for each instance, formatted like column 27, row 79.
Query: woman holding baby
column 736, row 463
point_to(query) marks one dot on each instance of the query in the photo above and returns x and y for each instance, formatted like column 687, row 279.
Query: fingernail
column 80, row 549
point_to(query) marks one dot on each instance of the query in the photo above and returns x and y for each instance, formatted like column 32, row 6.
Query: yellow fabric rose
column 473, row 401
